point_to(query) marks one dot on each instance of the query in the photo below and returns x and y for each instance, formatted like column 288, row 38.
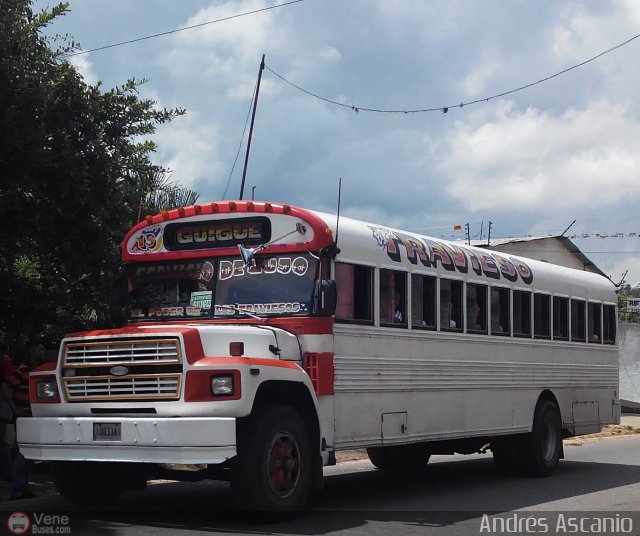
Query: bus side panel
column 452, row 385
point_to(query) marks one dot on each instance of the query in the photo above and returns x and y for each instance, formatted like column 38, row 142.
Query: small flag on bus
column 457, row 227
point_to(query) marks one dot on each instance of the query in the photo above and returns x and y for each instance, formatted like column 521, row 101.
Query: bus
column 262, row 338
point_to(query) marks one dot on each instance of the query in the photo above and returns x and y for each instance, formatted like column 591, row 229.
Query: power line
column 69, row 55
column 445, row 109
column 235, row 161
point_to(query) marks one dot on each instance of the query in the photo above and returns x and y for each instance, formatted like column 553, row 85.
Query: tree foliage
column 75, row 167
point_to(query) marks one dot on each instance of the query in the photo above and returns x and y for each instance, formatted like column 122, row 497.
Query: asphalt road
column 597, row 479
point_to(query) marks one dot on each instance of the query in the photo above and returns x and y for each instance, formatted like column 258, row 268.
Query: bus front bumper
column 192, row 440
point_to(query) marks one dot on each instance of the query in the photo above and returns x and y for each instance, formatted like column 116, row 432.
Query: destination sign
column 216, row 233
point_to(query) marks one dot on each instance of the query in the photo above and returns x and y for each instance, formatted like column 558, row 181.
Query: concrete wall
column 629, row 345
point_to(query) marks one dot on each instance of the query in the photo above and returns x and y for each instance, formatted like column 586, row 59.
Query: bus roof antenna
column 335, row 245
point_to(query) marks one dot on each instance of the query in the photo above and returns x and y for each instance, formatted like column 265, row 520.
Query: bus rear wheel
column 399, row 457
column 542, row 448
column 272, row 472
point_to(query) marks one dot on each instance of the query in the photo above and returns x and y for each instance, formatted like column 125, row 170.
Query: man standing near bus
column 19, row 382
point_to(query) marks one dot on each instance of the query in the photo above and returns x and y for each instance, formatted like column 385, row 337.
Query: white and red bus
column 256, row 347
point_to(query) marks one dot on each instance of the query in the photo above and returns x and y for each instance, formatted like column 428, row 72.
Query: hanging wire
column 445, row 109
column 70, row 54
column 235, row 161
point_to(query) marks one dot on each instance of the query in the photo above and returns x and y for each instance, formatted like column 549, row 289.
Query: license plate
column 107, row 431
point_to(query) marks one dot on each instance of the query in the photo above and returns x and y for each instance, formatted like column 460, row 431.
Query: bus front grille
column 125, row 368
column 121, row 351
column 133, row 387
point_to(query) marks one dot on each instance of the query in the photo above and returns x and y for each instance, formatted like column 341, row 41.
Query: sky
column 531, row 162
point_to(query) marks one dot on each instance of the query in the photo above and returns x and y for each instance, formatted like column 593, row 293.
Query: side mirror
column 327, row 297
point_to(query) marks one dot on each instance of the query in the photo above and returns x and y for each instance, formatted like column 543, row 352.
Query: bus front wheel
column 543, row 446
column 272, row 472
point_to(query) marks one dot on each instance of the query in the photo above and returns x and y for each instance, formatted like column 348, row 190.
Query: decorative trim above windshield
column 214, row 230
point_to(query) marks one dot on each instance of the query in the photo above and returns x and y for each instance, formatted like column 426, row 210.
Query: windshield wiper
column 240, row 310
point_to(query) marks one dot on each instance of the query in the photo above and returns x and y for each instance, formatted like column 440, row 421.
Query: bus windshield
column 272, row 285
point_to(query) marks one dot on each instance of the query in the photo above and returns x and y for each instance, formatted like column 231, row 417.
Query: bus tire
column 273, row 470
column 399, row 457
column 88, row 483
column 543, row 446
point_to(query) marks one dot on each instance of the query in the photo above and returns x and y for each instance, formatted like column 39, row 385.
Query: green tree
column 75, row 167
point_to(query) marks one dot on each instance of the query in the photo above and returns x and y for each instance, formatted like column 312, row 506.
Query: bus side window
column 609, row 328
column 476, row 308
column 578, row 331
column 354, row 286
column 560, row 318
column 423, row 302
column 542, row 316
column 595, row 325
column 393, row 298
column 521, row 313
column 500, row 321
column 450, row 305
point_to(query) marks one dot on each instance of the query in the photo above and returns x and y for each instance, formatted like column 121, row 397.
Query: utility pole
column 468, row 234
column 253, row 118
column 489, row 236
column 253, row 192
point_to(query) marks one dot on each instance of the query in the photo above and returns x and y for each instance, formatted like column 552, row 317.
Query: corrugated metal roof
column 566, row 242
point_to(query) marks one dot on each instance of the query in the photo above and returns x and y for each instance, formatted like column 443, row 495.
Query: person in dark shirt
column 19, row 382
column 7, row 413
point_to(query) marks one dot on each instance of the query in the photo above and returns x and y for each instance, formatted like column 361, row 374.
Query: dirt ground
column 629, row 425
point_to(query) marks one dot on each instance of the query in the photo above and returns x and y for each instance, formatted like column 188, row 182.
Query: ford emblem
column 119, row 370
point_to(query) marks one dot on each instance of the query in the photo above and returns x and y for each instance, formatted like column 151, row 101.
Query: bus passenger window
column 423, row 302
column 476, row 308
column 542, row 316
column 595, row 324
column 578, row 331
column 393, row 298
column 609, row 319
column 521, row 313
column 450, row 305
column 560, row 318
column 354, row 286
column 500, row 323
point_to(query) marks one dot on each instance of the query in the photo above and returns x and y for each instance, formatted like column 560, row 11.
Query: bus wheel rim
column 549, row 438
column 283, row 464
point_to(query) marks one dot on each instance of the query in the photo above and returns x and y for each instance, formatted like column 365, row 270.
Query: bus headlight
column 46, row 389
column 222, row 385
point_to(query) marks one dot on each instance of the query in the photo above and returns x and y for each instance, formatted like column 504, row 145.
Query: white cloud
column 536, row 161
column 85, row 68
column 476, row 81
column 328, row 54
column 190, row 148
column 227, row 54
column 581, row 35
